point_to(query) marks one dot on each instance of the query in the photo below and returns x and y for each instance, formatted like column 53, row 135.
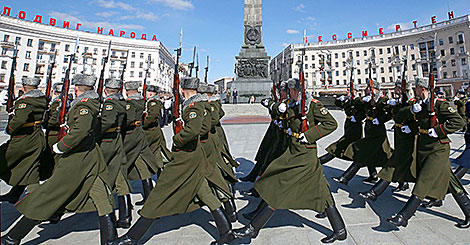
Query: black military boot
column 372, row 175
column 432, row 203
column 135, row 233
column 321, row 215
column 375, row 191
column 402, row 186
column 252, row 229
column 13, row 195
column 337, row 223
column 223, row 226
column 232, row 215
column 108, row 231
column 19, row 231
column 251, row 215
column 251, row 192
column 401, row 219
column 147, row 185
column 464, row 203
column 348, row 174
column 326, row 158
column 460, row 172
column 125, row 211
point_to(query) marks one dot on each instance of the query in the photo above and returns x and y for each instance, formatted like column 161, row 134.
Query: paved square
column 365, row 221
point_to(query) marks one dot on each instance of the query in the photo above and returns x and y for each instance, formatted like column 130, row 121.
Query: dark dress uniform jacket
column 223, row 136
column 76, row 169
column 52, row 125
column 295, row 180
column 20, row 156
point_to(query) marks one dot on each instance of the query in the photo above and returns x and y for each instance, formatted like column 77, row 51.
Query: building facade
column 223, row 83
column 39, row 44
column 329, row 66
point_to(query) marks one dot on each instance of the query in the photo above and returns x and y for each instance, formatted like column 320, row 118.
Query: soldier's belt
column 295, row 135
column 423, row 131
column 32, row 124
column 370, row 118
column 398, row 125
column 349, row 117
column 112, row 130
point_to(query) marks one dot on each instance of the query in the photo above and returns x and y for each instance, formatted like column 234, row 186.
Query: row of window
column 460, row 39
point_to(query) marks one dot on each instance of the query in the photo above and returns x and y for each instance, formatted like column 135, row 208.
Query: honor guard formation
column 77, row 153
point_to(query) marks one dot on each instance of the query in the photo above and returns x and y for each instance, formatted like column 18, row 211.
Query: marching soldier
column 464, row 159
column 141, row 163
column 295, row 180
column 21, row 154
column 434, row 175
column 374, row 149
column 460, row 102
column 355, row 115
column 52, row 126
column 79, row 182
column 399, row 167
column 183, row 186
column 113, row 119
column 151, row 125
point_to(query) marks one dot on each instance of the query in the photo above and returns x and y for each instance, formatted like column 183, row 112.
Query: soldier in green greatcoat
column 355, row 115
column 20, row 156
column 183, row 185
column 113, row 119
column 141, row 163
column 80, row 180
column 295, row 180
column 374, row 149
column 399, row 168
column 460, row 102
column 52, row 126
column 434, row 177
column 223, row 137
column 151, row 125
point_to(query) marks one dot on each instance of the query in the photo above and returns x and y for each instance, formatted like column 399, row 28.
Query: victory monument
column 251, row 69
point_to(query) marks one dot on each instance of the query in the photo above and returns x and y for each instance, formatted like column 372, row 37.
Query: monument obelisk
column 252, row 64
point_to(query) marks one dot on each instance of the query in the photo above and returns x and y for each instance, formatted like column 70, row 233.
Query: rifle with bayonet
column 432, row 86
column 404, row 89
column 304, row 126
column 123, row 72
column 191, row 65
column 11, row 85
column 351, row 80
column 64, row 96
column 100, row 88
column 177, row 124
column 197, row 65
column 206, row 70
column 49, row 89
column 371, row 83
column 144, row 86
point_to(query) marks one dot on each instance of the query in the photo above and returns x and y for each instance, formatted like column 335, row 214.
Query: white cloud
column 114, row 4
column 176, row 4
column 93, row 25
column 141, row 15
column 404, row 26
column 290, row 31
column 300, row 8
column 310, row 18
column 285, row 44
column 107, row 14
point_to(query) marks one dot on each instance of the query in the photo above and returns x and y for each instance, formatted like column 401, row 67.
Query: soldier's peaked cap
column 113, row 83
column 293, row 83
column 84, row 80
column 422, row 82
column 212, row 88
column 57, row 87
column 190, row 83
column 152, row 88
column 283, row 86
column 203, row 88
column 30, row 81
column 132, row 85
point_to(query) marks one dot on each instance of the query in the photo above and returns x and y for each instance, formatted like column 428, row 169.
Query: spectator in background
column 252, row 99
column 227, row 98
column 235, row 96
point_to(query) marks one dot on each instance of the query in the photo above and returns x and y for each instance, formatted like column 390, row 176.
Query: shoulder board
column 412, row 99
column 109, row 99
column 440, row 99
column 84, row 100
column 315, row 101
column 129, row 99
column 192, row 104
column 382, row 96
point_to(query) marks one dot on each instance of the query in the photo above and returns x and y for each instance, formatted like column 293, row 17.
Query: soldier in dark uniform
column 20, row 156
column 183, row 186
column 151, row 124
column 80, row 179
column 295, row 180
column 374, row 149
column 113, row 119
column 355, row 115
column 52, row 126
column 464, row 159
column 434, row 177
column 460, row 102
column 141, row 163
column 399, row 167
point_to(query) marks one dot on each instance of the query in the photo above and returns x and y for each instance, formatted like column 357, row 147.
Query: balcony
column 7, row 45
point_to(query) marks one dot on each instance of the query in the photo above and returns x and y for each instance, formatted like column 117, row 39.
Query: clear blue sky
column 216, row 26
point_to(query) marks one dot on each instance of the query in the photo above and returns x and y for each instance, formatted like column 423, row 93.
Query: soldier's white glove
column 405, row 129
column 375, row 121
column 303, row 139
column 289, row 132
column 392, row 102
column 417, row 108
column 265, row 102
column 353, row 119
column 276, row 123
column 432, row 133
column 11, row 113
column 44, row 131
column 342, row 98
column 282, row 108
column 280, row 124
column 367, row 99
column 55, row 149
